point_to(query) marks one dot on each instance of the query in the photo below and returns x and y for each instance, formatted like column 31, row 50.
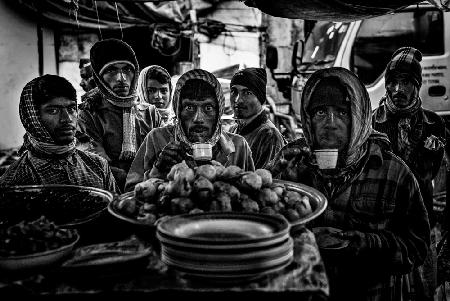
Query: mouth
column 198, row 134
column 159, row 105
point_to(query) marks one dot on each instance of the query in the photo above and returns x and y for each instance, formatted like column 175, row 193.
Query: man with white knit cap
column 111, row 114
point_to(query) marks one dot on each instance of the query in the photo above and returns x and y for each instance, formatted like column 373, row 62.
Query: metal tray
column 28, row 201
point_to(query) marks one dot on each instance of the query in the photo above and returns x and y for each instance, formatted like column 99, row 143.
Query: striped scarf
column 409, row 127
column 105, row 53
column 37, row 139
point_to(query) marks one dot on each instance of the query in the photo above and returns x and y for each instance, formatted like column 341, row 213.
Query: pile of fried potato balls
column 213, row 187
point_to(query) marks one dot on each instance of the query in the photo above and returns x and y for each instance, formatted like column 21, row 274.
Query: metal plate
column 66, row 205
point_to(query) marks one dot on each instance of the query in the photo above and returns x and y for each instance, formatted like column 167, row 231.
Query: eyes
column 321, row 113
column 192, row 108
column 57, row 110
column 234, row 92
column 125, row 70
column 152, row 90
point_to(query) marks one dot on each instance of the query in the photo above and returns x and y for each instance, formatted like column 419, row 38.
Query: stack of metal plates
column 226, row 247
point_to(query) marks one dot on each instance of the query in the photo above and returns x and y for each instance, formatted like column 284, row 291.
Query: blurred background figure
column 87, row 81
column 155, row 87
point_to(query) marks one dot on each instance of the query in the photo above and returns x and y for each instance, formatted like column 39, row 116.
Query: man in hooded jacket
column 111, row 114
column 374, row 204
column 48, row 111
column 198, row 103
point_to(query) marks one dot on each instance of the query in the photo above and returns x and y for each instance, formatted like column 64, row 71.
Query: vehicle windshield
column 322, row 45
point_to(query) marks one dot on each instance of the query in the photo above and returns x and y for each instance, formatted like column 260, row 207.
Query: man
column 48, row 111
column 87, row 80
column 155, row 87
column 247, row 97
column 111, row 114
column 417, row 135
column 198, row 104
column 374, row 201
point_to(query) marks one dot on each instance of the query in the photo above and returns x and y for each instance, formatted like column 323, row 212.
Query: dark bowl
column 67, row 206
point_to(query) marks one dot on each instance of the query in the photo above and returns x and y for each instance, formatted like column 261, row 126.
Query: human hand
column 288, row 157
column 358, row 241
column 172, row 153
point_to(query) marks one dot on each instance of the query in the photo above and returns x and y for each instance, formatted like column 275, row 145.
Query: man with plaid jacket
column 48, row 111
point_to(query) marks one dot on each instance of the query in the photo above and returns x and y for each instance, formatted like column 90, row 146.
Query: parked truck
column 365, row 47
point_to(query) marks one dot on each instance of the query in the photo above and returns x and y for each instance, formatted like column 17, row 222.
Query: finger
column 291, row 153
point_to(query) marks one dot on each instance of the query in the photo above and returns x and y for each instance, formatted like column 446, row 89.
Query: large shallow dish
column 224, row 228
column 317, row 200
column 65, row 205
column 37, row 260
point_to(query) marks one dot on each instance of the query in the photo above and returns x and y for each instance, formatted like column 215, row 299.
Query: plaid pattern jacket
column 80, row 168
column 383, row 201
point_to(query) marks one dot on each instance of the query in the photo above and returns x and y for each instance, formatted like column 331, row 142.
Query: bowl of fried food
column 35, row 244
column 213, row 188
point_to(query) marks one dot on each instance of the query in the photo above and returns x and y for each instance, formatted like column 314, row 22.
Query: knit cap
column 255, row 79
column 405, row 60
column 328, row 92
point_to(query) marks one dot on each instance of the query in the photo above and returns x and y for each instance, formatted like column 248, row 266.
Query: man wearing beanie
column 417, row 135
column 248, row 95
column 375, row 214
column 111, row 114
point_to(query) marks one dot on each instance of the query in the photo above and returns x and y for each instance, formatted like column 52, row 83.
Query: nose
column 199, row 116
column 65, row 116
column 121, row 76
column 238, row 98
column 331, row 119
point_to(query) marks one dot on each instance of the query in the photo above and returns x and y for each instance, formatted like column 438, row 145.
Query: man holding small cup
column 196, row 134
column 374, row 203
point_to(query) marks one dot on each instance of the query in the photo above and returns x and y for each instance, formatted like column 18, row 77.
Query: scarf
column 210, row 79
column 37, row 139
column 166, row 113
column 246, row 126
column 107, row 52
column 409, row 127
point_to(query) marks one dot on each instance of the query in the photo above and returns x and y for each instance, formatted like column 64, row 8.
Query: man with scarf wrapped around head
column 111, row 113
column 247, row 96
column 375, row 210
column 48, row 111
column 198, row 103
column 417, row 135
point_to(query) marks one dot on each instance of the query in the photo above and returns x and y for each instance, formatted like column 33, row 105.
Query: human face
column 158, row 94
column 59, row 116
column 119, row 77
column 401, row 90
column 199, row 118
column 87, row 82
column 331, row 127
column 245, row 104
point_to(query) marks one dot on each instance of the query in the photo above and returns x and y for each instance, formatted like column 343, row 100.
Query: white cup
column 326, row 158
column 202, row 151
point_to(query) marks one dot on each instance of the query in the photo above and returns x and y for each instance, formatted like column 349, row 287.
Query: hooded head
column 205, row 92
column 46, row 132
column 155, row 86
column 105, row 55
column 341, row 88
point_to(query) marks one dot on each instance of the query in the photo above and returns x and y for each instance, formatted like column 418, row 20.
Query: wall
column 19, row 64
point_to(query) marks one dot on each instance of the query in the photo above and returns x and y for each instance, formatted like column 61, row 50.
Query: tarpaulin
column 332, row 10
